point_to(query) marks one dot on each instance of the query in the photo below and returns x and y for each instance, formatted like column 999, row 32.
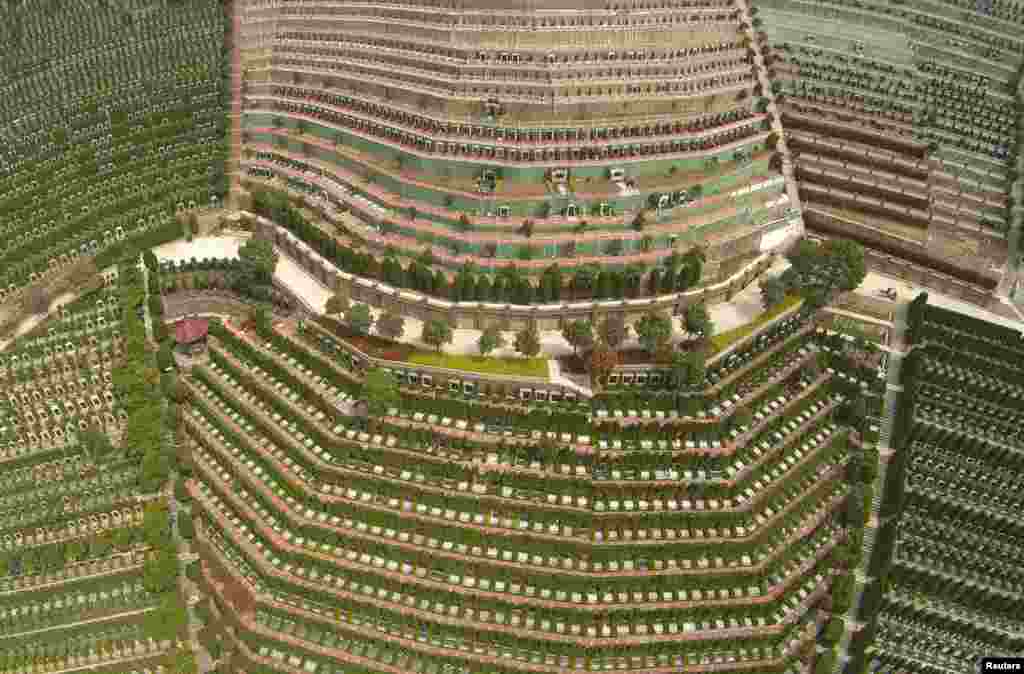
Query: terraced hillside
column 951, row 588
column 112, row 117
column 904, row 118
column 87, row 564
column 469, row 534
column 618, row 134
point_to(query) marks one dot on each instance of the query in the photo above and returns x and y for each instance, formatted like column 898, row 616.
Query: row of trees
column 678, row 272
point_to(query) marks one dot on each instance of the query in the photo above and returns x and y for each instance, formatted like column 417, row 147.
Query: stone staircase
column 893, row 393
column 788, row 173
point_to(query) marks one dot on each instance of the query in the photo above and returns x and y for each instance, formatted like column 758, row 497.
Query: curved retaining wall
column 481, row 315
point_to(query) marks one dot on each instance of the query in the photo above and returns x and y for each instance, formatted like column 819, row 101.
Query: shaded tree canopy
column 437, row 333
column 381, row 391
column 259, row 258
column 490, row 339
column 820, row 271
column 359, row 318
column 528, row 341
column 654, row 330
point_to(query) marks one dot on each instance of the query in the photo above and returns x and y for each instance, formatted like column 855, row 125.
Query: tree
column 165, row 356
column 156, row 526
column 259, row 259
column 696, row 368
column 698, row 321
column 653, row 330
column 855, row 506
column 603, row 359
column 186, row 527
column 490, row 339
column 391, row 325
column 688, row 369
column 528, row 341
column 168, row 620
column 834, row 630
column 825, row 662
column 437, row 333
column 381, row 391
column 579, row 334
column 96, row 442
column 359, row 318
column 818, row 272
column 160, row 572
column 337, row 304
column 773, row 291
column 614, row 330
column 847, row 259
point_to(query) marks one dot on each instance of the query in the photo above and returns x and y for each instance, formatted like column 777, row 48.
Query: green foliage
column 180, row 661
column 359, row 318
column 819, row 272
column 259, row 259
column 186, row 527
column 337, row 304
column 437, row 333
column 654, row 331
column 381, row 391
column 834, row 630
column 579, row 334
column 160, row 572
column 165, row 356
column 490, row 339
column 169, row 619
column 773, row 291
column 688, row 369
column 156, row 526
column 825, row 663
column 698, row 321
column 520, row 367
column 915, row 318
column 96, row 443
column 528, row 341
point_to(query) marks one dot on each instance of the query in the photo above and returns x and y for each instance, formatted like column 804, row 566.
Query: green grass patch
column 724, row 340
column 521, row 367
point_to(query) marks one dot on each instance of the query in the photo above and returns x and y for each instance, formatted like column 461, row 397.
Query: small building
column 190, row 335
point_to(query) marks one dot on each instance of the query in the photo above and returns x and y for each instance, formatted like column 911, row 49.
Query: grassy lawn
column 723, row 340
column 522, row 367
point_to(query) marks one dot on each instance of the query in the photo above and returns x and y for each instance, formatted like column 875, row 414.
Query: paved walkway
column 288, row 272
column 30, row 322
column 766, row 91
column 892, row 396
column 907, row 290
column 743, row 308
